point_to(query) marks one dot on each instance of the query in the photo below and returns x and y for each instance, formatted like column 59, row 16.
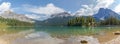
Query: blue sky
column 42, row 9
column 69, row 5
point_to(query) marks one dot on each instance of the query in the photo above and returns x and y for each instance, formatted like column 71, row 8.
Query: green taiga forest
column 13, row 22
column 90, row 21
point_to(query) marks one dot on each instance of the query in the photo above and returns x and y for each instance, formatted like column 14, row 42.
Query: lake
column 27, row 35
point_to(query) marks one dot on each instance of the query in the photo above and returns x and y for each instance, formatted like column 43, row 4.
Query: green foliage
column 13, row 22
column 90, row 21
column 82, row 21
column 110, row 21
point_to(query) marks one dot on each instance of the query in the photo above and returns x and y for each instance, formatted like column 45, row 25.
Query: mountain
column 105, row 13
column 63, row 14
column 61, row 19
column 58, row 19
column 11, row 15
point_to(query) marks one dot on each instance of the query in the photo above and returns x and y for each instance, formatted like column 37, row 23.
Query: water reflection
column 38, row 38
column 12, row 30
column 69, row 31
column 8, row 38
column 55, row 35
column 45, row 38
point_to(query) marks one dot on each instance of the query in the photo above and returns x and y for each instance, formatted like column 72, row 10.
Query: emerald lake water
column 76, row 31
column 33, row 35
column 62, row 31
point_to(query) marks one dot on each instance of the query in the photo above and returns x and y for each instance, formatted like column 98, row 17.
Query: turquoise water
column 62, row 31
column 75, row 31
column 53, row 34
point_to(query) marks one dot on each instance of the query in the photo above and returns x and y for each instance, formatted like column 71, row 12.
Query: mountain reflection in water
column 56, row 35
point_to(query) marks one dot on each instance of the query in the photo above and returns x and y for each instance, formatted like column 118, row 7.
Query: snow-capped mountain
column 63, row 14
column 64, row 17
column 57, row 19
column 11, row 15
column 104, row 13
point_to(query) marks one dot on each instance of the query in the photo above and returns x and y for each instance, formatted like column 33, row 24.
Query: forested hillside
column 14, row 22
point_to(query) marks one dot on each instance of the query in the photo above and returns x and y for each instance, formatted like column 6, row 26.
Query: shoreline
column 113, row 41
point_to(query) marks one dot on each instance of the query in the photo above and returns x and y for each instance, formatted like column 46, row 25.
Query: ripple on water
column 45, row 38
column 38, row 38
column 86, row 39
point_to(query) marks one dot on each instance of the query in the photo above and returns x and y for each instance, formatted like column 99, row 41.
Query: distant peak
column 105, row 13
column 104, row 9
column 62, row 14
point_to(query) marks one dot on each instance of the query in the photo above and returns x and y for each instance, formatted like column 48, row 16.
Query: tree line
column 90, row 21
column 14, row 22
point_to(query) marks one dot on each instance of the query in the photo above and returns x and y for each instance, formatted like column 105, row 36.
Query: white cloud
column 103, row 4
column 117, row 8
column 42, row 12
column 33, row 16
column 37, row 17
column 91, row 9
column 47, row 10
column 5, row 6
column 85, row 11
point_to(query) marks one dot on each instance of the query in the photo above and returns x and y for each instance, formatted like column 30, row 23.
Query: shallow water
column 56, row 35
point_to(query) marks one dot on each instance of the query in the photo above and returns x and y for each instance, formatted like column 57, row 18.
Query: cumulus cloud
column 5, row 6
column 91, row 9
column 104, row 3
column 42, row 12
column 117, row 8
column 85, row 11
column 47, row 10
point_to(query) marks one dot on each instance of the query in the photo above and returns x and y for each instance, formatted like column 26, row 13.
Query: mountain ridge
column 63, row 18
column 105, row 13
column 56, row 19
column 11, row 15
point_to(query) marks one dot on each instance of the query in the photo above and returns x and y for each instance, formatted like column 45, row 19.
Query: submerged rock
column 84, row 41
column 81, row 40
column 44, row 38
column 117, row 33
